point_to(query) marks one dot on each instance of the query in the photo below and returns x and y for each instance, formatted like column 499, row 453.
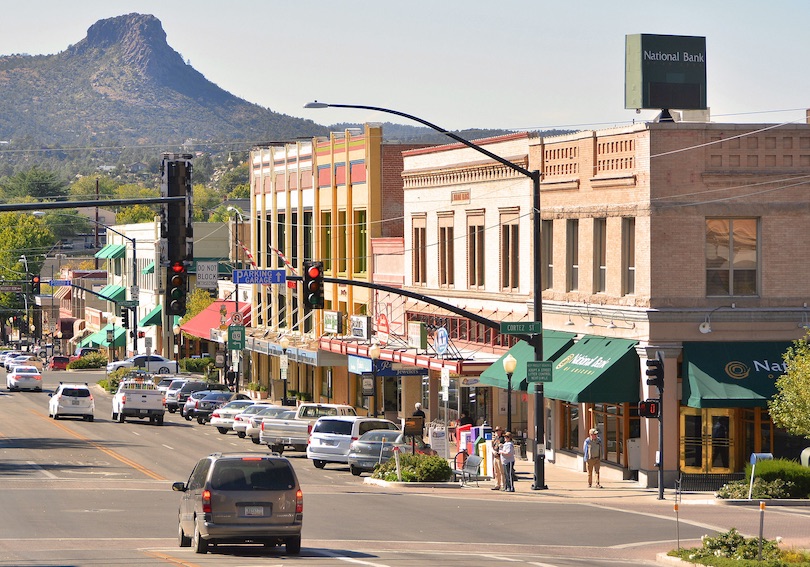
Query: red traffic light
column 178, row 268
column 35, row 279
column 314, row 271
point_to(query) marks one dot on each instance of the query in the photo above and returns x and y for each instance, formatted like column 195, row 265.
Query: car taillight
column 299, row 501
column 354, row 439
column 206, row 501
column 37, row 377
column 215, row 414
column 262, row 427
column 123, row 398
column 91, row 397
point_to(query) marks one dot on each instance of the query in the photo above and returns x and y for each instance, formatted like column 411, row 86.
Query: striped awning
column 112, row 251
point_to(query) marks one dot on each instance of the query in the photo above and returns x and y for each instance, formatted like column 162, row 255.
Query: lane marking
column 43, row 471
column 117, row 456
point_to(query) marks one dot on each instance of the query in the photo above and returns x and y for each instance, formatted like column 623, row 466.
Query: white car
column 331, row 437
column 25, row 359
column 72, row 399
column 153, row 363
column 24, row 378
column 241, row 421
column 8, row 358
column 254, row 428
column 222, row 418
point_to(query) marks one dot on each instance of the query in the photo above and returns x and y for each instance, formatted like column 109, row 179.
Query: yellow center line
column 170, row 559
column 105, row 450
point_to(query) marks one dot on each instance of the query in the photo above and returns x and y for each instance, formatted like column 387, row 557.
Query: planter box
column 257, row 395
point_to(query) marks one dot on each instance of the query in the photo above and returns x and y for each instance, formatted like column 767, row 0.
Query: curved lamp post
column 539, row 401
column 374, row 355
column 509, row 365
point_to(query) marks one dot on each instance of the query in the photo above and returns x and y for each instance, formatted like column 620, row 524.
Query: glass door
column 707, row 444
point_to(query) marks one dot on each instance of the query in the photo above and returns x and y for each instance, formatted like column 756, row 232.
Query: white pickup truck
column 280, row 433
column 140, row 399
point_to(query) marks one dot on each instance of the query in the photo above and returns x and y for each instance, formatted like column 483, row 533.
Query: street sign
column 521, row 328
column 236, row 318
column 129, row 303
column 259, row 277
column 17, row 288
column 440, row 340
column 58, row 283
column 236, row 337
column 207, row 274
column 538, row 371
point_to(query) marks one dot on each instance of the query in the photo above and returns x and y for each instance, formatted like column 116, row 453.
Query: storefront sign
column 382, row 329
column 361, row 327
column 332, row 322
column 385, row 368
column 417, row 335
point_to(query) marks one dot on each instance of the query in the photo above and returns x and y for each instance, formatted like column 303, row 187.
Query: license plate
column 74, row 402
column 254, row 510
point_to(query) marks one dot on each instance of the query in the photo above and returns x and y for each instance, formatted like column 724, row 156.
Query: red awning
column 212, row 317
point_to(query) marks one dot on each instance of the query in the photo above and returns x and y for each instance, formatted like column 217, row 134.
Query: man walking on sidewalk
column 592, row 450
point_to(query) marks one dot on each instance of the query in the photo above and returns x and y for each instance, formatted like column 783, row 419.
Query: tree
column 65, row 223
column 85, row 187
column 135, row 214
column 36, row 183
column 196, row 302
column 790, row 407
column 239, row 175
column 240, row 192
column 205, row 199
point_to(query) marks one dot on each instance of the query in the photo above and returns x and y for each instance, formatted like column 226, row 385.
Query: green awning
column 554, row 342
column 114, row 292
column 155, row 317
column 596, row 370
column 119, row 336
column 90, row 341
column 112, row 251
column 731, row 375
column 149, row 269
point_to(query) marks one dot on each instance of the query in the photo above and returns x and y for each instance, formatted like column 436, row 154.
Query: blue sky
column 458, row 63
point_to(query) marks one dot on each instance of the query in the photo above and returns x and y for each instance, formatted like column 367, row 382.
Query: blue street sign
column 58, row 283
column 259, row 277
column 440, row 340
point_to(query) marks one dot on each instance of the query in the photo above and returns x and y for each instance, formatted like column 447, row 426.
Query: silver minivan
column 241, row 498
column 332, row 436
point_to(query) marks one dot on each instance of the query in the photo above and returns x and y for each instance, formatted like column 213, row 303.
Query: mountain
column 123, row 85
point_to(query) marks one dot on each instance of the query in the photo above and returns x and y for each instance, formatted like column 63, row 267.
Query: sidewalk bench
column 469, row 471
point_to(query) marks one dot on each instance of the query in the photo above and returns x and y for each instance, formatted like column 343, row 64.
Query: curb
column 380, row 482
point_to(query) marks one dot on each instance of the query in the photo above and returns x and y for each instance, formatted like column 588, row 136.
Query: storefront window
column 612, row 421
column 570, row 427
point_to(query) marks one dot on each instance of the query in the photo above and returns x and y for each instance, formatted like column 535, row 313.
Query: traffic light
column 649, row 408
column 176, row 230
column 35, row 285
column 655, row 373
column 177, row 289
column 313, row 285
column 123, row 312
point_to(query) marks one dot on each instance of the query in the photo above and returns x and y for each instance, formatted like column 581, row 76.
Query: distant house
column 138, row 167
column 106, row 168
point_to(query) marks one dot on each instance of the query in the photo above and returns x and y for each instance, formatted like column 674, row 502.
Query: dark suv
column 195, row 386
column 241, row 498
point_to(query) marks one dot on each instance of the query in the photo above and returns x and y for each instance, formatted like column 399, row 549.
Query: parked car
column 213, row 401
column 190, row 405
column 195, row 386
column 331, row 437
column 377, row 446
column 5, row 353
column 279, row 434
column 146, row 362
column 140, row 399
column 25, row 359
column 83, row 351
column 223, row 417
column 241, row 498
column 72, row 399
column 9, row 357
column 242, row 420
column 254, row 428
column 24, row 378
column 58, row 363
column 171, row 394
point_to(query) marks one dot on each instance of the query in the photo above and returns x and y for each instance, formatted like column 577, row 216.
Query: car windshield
column 237, row 404
column 176, row 384
column 382, row 436
column 165, row 382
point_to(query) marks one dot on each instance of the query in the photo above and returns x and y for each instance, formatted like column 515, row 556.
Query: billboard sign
column 665, row 72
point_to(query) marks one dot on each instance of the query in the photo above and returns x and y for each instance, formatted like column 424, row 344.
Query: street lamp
column 509, row 364
column 176, row 330
column 539, row 400
column 284, row 343
column 374, row 355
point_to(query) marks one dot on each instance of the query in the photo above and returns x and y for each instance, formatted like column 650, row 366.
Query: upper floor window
column 547, row 239
column 446, row 251
column 732, row 262
column 629, row 256
column 360, row 241
column 600, row 255
column 419, row 252
column 475, row 251
column 326, row 240
column 572, row 253
column 510, row 251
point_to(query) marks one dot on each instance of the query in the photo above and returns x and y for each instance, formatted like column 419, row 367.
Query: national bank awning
column 731, row 375
column 554, row 342
column 596, row 370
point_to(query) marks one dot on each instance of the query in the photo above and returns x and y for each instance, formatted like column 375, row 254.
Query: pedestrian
column 592, row 450
column 497, row 466
column 419, row 412
column 507, row 451
column 465, row 419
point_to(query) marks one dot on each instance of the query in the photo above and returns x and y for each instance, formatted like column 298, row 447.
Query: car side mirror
column 50, row 395
column 179, row 486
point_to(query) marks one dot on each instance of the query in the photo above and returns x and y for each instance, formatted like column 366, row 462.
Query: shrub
column 114, row 378
column 763, row 489
column 415, row 468
column 197, row 365
column 731, row 548
column 778, row 478
column 92, row 360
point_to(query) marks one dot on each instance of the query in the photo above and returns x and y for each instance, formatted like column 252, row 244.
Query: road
column 81, row 493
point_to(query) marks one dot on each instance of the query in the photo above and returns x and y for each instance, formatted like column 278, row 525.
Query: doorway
column 707, row 444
